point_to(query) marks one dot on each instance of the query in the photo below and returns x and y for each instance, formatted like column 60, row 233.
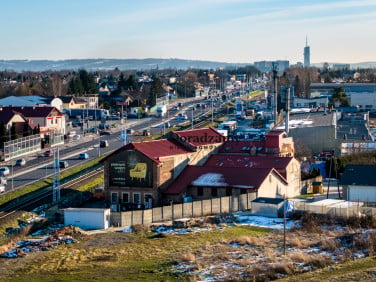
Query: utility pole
column 275, row 70
column 56, row 183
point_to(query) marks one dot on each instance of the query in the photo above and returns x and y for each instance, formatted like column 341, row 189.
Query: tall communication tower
column 307, row 54
column 56, row 177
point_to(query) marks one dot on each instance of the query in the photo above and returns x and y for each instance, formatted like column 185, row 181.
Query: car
column 76, row 137
column 83, row 156
column 114, row 117
column 2, row 188
column 176, row 108
column 146, row 132
column 3, row 181
column 4, row 171
column 20, row 162
column 99, row 193
column 103, row 143
column 105, row 133
column 63, row 164
column 77, row 123
column 71, row 133
column 130, row 131
column 180, row 104
column 48, row 153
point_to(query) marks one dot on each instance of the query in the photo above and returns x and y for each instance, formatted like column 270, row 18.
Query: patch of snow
column 267, row 222
column 127, row 229
column 210, row 179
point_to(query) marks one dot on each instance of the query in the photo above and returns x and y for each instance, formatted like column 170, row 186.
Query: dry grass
column 300, row 257
column 247, row 240
column 329, row 244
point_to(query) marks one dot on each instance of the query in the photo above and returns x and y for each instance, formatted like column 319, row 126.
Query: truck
column 97, row 114
column 239, row 109
column 161, row 110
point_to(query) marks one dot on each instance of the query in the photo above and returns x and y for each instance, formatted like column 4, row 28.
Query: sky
column 233, row 31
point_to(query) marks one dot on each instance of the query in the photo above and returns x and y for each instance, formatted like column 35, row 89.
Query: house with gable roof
column 205, row 182
column 49, row 119
column 136, row 173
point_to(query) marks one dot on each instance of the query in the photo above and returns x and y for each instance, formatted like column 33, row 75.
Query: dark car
column 48, row 153
column 103, row 143
column 105, row 133
column 63, row 164
column 146, row 132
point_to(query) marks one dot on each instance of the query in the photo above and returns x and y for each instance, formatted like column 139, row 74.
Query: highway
column 39, row 166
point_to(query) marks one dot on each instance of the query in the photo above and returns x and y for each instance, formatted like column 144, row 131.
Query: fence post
column 142, row 217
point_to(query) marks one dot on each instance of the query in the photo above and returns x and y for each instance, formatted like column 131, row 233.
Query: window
column 114, row 197
column 200, row 191
column 214, row 192
column 125, row 197
column 243, row 191
column 136, row 198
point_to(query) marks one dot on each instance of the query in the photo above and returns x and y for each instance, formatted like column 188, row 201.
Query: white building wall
column 361, row 193
column 273, row 187
column 87, row 218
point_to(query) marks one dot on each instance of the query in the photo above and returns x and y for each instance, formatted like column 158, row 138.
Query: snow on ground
column 262, row 221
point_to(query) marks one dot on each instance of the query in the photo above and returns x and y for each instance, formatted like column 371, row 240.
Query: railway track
column 30, row 203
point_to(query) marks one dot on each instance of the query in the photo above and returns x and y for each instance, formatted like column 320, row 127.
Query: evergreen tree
column 3, row 134
column 25, row 130
column 156, row 91
column 13, row 132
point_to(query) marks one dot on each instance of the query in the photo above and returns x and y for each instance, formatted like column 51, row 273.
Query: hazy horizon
column 230, row 31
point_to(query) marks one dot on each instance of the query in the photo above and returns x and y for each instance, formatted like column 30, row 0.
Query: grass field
column 116, row 256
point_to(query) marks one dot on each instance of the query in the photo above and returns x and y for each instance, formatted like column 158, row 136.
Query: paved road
column 39, row 167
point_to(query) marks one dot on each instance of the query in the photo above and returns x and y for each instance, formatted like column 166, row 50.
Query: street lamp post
column 192, row 118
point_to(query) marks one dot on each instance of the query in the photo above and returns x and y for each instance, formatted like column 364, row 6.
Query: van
column 63, row 164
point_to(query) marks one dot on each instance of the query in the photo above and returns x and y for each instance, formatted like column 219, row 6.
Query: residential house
column 72, row 102
column 49, row 119
column 359, row 183
column 9, row 117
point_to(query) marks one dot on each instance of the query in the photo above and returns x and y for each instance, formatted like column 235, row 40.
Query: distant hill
column 110, row 64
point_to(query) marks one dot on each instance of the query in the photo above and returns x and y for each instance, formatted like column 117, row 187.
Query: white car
column 2, row 188
column 3, row 181
column 4, row 171
column 76, row 137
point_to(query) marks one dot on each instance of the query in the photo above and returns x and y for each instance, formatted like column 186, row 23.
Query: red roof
column 155, row 149
column 199, row 137
column 242, row 147
column 275, row 133
column 231, row 177
column 279, row 163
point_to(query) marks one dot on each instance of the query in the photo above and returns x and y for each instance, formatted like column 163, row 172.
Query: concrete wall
column 193, row 209
column 317, row 139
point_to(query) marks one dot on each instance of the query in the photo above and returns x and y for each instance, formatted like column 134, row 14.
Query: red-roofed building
column 198, row 138
column 200, row 182
column 135, row 173
column 276, row 144
column 288, row 167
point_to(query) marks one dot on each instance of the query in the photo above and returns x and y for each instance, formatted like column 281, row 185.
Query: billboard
column 130, row 169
